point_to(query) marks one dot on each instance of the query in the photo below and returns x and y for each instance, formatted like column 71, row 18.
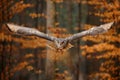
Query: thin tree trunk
column 82, row 62
column 50, row 23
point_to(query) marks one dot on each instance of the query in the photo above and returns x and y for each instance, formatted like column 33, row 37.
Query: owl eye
column 62, row 42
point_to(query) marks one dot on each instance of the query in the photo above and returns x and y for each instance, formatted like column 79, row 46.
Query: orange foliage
column 29, row 56
column 105, row 48
column 98, row 47
column 20, row 6
column 111, row 9
column 63, row 76
column 19, row 67
column 35, row 15
column 58, row 1
column 106, row 45
column 29, row 68
column 16, row 8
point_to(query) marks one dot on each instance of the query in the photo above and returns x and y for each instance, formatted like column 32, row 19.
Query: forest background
column 29, row 58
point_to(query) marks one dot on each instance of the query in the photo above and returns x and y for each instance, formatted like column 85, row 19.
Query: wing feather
column 29, row 31
column 93, row 31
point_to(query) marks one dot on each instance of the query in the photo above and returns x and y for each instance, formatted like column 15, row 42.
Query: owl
column 60, row 43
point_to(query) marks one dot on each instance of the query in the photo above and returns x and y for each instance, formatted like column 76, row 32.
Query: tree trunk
column 50, row 23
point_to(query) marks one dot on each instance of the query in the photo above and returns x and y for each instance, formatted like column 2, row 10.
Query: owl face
column 61, row 43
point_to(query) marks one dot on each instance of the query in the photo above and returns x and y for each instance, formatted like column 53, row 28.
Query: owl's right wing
column 29, row 31
column 92, row 31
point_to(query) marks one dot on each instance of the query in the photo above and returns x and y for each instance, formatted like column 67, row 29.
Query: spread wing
column 93, row 31
column 29, row 31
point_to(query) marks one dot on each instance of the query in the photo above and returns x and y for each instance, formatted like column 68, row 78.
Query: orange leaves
column 20, row 66
column 57, row 23
column 18, row 7
column 101, row 76
column 109, row 16
column 35, row 15
column 106, row 48
column 102, row 38
column 38, row 71
column 107, row 51
column 108, row 64
column 107, row 55
column 9, row 8
column 110, row 67
column 5, row 37
column 4, row 12
column 29, row 56
column 58, row 1
column 87, row 26
column 58, row 32
column 63, row 76
column 32, row 43
column 57, row 29
column 29, row 68
column 110, row 10
column 98, row 47
column 42, row 55
column 94, row 2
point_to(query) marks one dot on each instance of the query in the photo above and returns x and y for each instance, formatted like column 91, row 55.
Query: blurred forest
column 29, row 58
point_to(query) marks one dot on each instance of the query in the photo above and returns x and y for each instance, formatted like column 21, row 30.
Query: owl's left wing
column 92, row 31
column 29, row 31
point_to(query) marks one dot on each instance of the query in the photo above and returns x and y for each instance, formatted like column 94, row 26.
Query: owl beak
column 57, row 44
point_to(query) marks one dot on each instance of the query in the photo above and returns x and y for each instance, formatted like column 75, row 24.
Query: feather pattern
column 29, row 31
column 60, row 43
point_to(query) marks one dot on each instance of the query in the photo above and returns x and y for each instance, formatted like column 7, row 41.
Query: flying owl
column 60, row 43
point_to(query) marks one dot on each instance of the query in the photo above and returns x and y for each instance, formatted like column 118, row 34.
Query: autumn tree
column 103, row 49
